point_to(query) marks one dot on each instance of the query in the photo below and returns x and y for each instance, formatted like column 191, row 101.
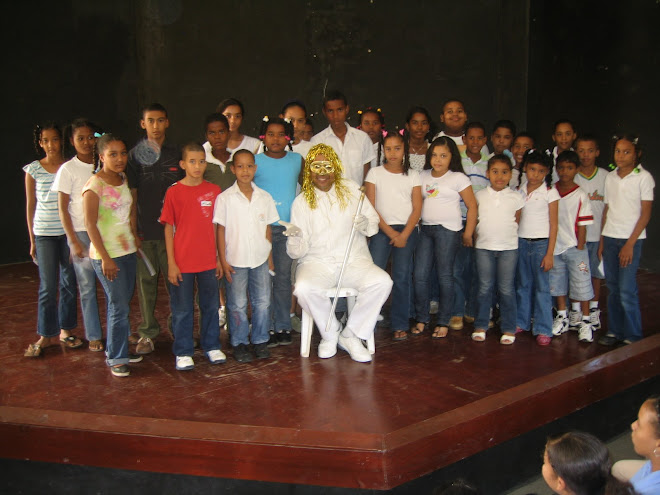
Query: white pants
column 313, row 279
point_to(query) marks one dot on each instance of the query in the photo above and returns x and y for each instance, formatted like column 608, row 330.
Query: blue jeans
column 53, row 256
column 533, row 287
column 497, row 266
column 439, row 244
column 182, row 299
column 281, row 305
column 87, row 287
column 118, row 294
column 402, row 258
column 254, row 283
column 466, row 281
column 624, row 318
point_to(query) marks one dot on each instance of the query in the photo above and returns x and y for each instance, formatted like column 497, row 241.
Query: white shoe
column 559, row 325
column 355, row 348
column 184, row 363
column 222, row 316
column 328, row 347
column 216, row 356
column 594, row 318
column 574, row 320
column 585, row 332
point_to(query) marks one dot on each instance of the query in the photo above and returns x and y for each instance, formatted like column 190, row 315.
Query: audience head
column 537, row 164
column 234, row 111
column 155, row 122
column 521, row 143
column 276, row 133
column 502, row 136
column 296, row 112
column 395, row 148
column 646, row 430
column 627, row 150
column 499, row 171
column 563, row 134
column 419, row 124
column 335, row 109
column 216, row 130
column 372, row 121
column 586, row 146
column 453, row 117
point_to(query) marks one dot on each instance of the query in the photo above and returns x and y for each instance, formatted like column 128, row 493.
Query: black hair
column 507, row 124
column 524, row 134
column 101, row 144
column 563, row 121
column 632, row 138
column 191, row 146
column 70, row 130
column 586, row 137
column 381, row 119
column 502, row 158
column 334, row 95
column 449, row 100
column 46, row 126
column 406, row 152
column 455, row 163
column 228, row 102
column 377, row 111
column 569, row 156
column 288, row 129
column 293, row 103
column 475, row 125
column 154, row 107
column 534, row 156
column 215, row 117
column 242, row 151
column 456, row 487
column 419, row 109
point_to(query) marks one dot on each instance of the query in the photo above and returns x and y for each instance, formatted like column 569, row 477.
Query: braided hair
column 286, row 123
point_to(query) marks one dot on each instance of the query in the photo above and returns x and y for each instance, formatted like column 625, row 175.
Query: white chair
column 307, row 324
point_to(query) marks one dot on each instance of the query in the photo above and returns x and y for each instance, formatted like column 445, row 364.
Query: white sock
column 575, row 306
column 593, row 304
column 562, row 312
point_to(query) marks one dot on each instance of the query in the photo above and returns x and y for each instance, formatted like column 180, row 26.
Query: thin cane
column 343, row 265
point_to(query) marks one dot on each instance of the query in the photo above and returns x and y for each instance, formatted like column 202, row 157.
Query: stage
column 420, row 406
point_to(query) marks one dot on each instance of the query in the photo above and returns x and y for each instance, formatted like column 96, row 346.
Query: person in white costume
column 322, row 217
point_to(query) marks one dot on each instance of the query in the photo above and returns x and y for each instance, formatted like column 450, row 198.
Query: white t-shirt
column 574, row 212
column 497, row 229
column 70, row 179
column 393, row 194
column 248, row 143
column 594, row 186
column 623, row 198
column 442, row 199
column 535, row 215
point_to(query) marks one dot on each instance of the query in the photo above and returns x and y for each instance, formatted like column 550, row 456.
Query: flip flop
column 479, row 335
column 415, row 330
column 72, row 342
column 33, row 350
column 507, row 339
column 402, row 335
column 440, row 332
column 96, row 345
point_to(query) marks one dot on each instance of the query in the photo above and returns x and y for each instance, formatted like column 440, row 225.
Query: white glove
column 362, row 224
column 291, row 230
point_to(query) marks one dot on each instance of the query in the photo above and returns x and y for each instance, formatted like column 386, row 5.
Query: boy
column 570, row 272
column 192, row 256
column 352, row 145
column 502, row 138
column 592, row 179
column 243, row 214
column 153, row 166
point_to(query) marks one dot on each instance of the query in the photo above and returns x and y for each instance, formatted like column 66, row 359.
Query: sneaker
column 262, row 351
column 242, row 354
column 574, row 320
column 543, row 339
column 559, row 325
column 133, row 338
column 433, row 307
column 594, row 318
column 328, row 347
column 121, row 370
column 134, row 358
column 355, row 348
column 184, row 363
column 145, row 346
column 296, row 324
column 585, row 333
column 456, row 323
column 284, row 338
column 608, row 340
column 216, row 356
column 274, row 339
column 222, row 316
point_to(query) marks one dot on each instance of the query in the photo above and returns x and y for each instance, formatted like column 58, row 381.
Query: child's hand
column 33, row 252
column 625, row 255
column 600, row 250
column 271, row 265
column 467, row 240
column 399, row 241
column 109, row 269
column 227, row 270
column 547, row 262
column 138, row 243
column 77, row 249
column 218, row 269
column 174, row 274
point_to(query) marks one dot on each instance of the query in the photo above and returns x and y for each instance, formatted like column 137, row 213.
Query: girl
column 628, row 202
column 372, row 122
column 395, row 192
column 418, row 133
column 278, row 172
column 234, row 111
column 521, row 143
column 295, row 112
column 497, row 249
column 537, row 234
column 69, row 182
column 443, row 186
column 111, row 224
column 48, row 246
column 563, row 135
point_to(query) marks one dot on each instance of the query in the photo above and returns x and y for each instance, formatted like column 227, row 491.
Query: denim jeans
column 381, row 249
column 281, row 304
column 148, row 286
column 53, row 258
column 497, row 266
column 533, row 287
column 87, row 287
column 624, row 317
column 182, row 299
column 118, row 294
column 466, row 281
column 254, row 283
column 438, row 244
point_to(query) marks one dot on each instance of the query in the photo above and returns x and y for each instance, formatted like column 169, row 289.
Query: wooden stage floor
column 422, row 404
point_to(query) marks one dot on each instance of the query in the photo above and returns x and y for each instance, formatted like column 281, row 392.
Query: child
column 216, row 130
column 395, row 192
column 296, row 112
column 243, row 214
column 592, row 180
column 277, row 173
column 563, row 136
column 521, row 143
column 537, row 235
column 235, row 112
column 372, row 121
column 570, row 272
column 307, row 133
column 496, row 249
column 353, row 146
column 149, row 176
column 502, row 138
column 69, row 182
column 443, row 186
column 418, row 132
column 192, row 257
column 454, row 118
column 111, row 224
column 628, row 202
column 48, row 246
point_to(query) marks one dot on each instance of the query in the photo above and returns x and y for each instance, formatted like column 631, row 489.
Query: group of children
column 466, row 230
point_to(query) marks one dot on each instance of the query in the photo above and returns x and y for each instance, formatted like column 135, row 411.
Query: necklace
column 416, row 151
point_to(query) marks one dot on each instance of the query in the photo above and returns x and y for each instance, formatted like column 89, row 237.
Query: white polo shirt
column 535, row 215
column 356, row 150
column 245, row 223
column 70, row 179
column 393, row 194
column 623, row 198
column 497, row 229
column 594, row 186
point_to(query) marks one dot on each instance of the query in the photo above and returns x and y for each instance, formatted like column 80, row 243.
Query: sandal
column 72, row 342
column 400, row 335
column 33, row 350
column 95, row 345
column 418, row 331
column 479, row 335
column 440, row 332
column 507, row 339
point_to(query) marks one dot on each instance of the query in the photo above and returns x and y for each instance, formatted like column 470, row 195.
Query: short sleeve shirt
column 393, row 194
column 535, row 215
column 442, row 199
column 70, row 179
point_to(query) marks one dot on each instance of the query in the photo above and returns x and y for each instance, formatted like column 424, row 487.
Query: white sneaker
column 559, row 325
column 433, row 307
column 355, row 348
column 184, row 363
column 574, row 320
column 594, row 318
column 222, row 316
column 585, row 332
column 216, row 356
column 328, row 347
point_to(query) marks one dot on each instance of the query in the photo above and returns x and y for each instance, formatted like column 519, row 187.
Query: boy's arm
column 602, row 226
column 134, row 222
column 581, row 236
column 218, row 265
column 220, row 237
column 269, row 236
column 173, row 272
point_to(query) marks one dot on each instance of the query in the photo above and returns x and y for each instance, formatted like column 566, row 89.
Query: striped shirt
column 46, row 216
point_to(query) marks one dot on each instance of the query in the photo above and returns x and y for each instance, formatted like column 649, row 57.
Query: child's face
column 275, row 138
column 114, row 157
column 588, row 152
column 394, row 150
column 217, row 135
column 244, row 168
column 454, row 116
column 501, row 139
column 474, row 140
column 499, row 175
column 307, row 133
column 336, row 112
column 371, row 125
column 440, row 159
column 520, row 145
column 234, row 116
column 194, row 163
column 566, row 172
column 563, row 137
column 50, row 142
column 155, row 122
column 418, row 127
column 535, row 173
column 322, row 173
column 297, row 117
column 83, row 141
column 624, row 154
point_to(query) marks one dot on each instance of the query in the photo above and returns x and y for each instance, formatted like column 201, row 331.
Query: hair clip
column 531, row 150
column 611, row 166
column 636, row 170
column 384, row 132
column 287, row 138
column 378, row 110
column 615, row 137
column 359, row 112
column 265, row 119
column 402, row 131
column 262, row 137
column 635, row 141
column 97, row 135
column 548, row 152
column 287, row 120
